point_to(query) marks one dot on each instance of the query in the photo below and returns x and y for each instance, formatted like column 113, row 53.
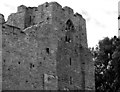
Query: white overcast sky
column 101, row 15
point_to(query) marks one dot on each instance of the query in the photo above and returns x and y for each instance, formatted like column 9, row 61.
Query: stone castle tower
column 45, row 48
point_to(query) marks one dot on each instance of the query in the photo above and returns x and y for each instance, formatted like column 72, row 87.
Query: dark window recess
column 8, row 69
column 47, row 50
column 19, row 62
column 77, row 36
column 83, row 62
column 48, row 18
column 67, row 39
column 119, row 17
column 82, row 33
column 86, row 55
column 70, row 61
column 3, row 26
column 43, row 83
column 71, row 80
column 47, row 4
column 40, row 63
column 69, row 25
column 26, row 81
column 30, row 19
column 31, row 65
column 4, row 60
column 76, row 52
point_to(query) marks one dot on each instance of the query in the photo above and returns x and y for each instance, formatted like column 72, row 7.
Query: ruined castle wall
column 46, row 50
column 32, row 54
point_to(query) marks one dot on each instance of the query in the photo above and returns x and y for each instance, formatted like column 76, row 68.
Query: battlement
column 68, row 10
column 51, row 13
column 22, row 8
column 36, row 14
column 2, row 20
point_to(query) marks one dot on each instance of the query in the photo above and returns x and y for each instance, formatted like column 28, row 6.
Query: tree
column 107, row 65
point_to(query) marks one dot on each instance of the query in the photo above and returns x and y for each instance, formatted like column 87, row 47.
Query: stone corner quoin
column 45, row 48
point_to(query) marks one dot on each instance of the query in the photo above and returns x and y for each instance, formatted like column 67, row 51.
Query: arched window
column 69, row 31
column 69, row 25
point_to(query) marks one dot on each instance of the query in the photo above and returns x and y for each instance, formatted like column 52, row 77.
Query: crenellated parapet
column 2, row 20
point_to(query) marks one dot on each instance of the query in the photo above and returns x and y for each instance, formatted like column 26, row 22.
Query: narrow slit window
column 67, row 39
column 43, row 79
column 30, row 19
column 47, row 50
column 71, row 80
column 70, row 61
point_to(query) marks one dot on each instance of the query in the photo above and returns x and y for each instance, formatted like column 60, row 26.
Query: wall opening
column 69, row 25
column 30, row 19
column 47, row 50
column 69, row 28
column 67, row 38
column 70, row 62
column 71, row 80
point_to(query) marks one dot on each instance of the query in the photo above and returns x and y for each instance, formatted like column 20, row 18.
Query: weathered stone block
column 17, row 20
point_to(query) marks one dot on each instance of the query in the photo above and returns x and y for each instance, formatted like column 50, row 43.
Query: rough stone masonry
column 45, row 48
